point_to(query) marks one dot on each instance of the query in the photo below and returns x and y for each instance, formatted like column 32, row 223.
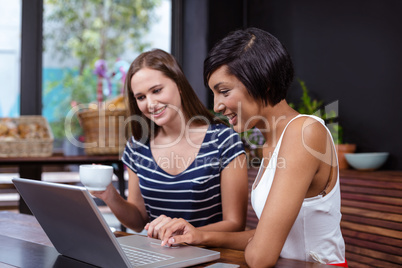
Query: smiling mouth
column 158, row 111
column 232, row 118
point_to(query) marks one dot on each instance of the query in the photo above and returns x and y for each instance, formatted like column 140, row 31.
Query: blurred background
column 346, row 52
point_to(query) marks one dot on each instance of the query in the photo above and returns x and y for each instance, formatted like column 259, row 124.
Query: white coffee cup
column 96, row 177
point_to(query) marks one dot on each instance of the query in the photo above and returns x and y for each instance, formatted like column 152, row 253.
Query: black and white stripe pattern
column 194, row 194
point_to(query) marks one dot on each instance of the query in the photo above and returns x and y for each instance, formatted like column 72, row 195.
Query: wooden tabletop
column 26, row 228
column 31, row 168
column 59, row 159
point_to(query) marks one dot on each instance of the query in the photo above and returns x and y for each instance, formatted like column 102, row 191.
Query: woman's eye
column 139, row 98
column 157, row 90
column 225, row 92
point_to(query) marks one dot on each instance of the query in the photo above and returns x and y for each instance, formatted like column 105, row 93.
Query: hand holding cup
column 96, row 177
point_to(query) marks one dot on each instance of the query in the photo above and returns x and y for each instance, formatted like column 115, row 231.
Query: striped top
column 195, row 193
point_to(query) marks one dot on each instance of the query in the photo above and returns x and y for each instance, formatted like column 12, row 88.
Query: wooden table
column 21, row 235
column 31, row 167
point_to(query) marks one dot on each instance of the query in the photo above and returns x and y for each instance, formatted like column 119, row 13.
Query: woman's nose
column 218, row 107
column 151, row 104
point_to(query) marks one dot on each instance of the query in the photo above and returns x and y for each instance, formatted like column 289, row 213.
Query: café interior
column 347, row 53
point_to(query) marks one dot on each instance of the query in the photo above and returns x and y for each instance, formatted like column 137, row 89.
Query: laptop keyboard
column 140, row 257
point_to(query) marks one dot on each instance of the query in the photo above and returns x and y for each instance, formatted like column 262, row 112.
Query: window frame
column 32, row 47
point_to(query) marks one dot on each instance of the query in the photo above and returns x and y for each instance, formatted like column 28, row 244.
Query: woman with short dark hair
column 296, row 193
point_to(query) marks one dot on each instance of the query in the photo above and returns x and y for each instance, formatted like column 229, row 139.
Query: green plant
column 333, row 126
column 97, row 29
column 86, row 31
column 73, row 89
column 253, row 141
column 308, row 105
column 252, row 138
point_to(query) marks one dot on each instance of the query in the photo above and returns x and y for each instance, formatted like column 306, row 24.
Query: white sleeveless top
column 316, row 235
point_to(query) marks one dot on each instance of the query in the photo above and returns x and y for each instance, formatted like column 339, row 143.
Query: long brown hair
column 142, row 127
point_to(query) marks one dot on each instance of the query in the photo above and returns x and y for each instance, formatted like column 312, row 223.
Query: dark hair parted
column 164, row 62
column 257, row 59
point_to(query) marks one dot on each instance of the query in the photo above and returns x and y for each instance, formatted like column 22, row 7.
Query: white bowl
column 366, row 161
column 96, row 177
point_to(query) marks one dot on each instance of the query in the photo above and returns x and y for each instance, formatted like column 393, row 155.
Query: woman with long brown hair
column 182, row 161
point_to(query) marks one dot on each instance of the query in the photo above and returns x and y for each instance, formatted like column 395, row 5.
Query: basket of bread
column 25, row 136
column 104, row 127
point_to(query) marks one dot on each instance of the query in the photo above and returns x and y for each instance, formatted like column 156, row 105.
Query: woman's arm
column 131, row 213
column 293, row 178
column 234, row 192
column 180, row 231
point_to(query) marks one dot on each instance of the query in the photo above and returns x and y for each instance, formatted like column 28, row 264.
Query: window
column 10, row 54
column 69, row 60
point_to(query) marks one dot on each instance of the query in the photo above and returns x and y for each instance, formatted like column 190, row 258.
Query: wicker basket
column 104, row 131
column 27, row 147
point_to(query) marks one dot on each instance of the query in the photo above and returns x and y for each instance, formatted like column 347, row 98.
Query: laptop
column 72, row 221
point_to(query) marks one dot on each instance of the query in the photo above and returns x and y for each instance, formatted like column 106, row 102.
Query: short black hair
column 258, row 59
